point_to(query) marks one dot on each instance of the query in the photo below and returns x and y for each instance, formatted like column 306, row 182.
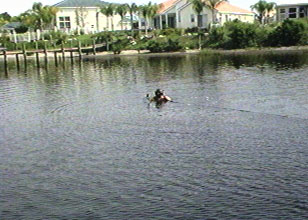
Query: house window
column 292, row 13
column 200, row 23
column 301, row 12
column 226, row 16
column 205, row 20
column 282, row 13
column 179, row 17
column 65, row 22
column 192, row 18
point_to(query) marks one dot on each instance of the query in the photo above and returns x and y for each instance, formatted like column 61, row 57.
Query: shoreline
column 248, row 51
column 258, row 51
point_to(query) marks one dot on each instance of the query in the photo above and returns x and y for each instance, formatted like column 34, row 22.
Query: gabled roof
column 292, row 4
column 11, row 25
column 223, row 6
column 227, row 7
column 80, row 3
column 166, row 5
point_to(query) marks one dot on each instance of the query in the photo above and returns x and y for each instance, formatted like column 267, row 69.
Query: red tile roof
column 221, row 7
column 166, row 5
column 227, row 7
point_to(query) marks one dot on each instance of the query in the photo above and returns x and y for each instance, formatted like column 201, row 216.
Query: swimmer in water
column 159, row 97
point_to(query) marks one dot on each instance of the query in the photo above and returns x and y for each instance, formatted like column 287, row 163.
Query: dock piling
column 56, row 58
column 63, row 52
column 24, row 52
column 37, row 51
column 5, row 62
column 37, row 55
column 79, row 49
column 17, row 62
column 94, row 47
column 46, row 54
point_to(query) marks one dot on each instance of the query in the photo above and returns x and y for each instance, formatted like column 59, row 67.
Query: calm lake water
column 81, row 141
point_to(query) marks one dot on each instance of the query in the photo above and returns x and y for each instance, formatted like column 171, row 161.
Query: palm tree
column 37, row 8
column 108, row 11
column 261, row 8
column 152, row 11
column 148, row 12
column 104, row 11
column 43, row 16
column 50, row 13
column 2, row 21
column 121, row 10
column 143, row 9
column 4, row 18
column 211, row 4
column 270, row 7
column 132, row 8
column 111, row 12
column 198, row 6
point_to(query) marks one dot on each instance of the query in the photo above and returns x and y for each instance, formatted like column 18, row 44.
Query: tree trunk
column 112, row 26
column 122, row 23
column 107, row 45
column 199, row 33
column 261, row 19
column 146, row 27
column 132, row 23
column 97, row 21
column 107, row 23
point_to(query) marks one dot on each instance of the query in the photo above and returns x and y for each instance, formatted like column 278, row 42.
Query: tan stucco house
column 291, row 11
column 77, row 15
column 180, row 14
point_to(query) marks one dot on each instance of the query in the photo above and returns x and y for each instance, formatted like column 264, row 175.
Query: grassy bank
column 232, row 37
column 257, row 51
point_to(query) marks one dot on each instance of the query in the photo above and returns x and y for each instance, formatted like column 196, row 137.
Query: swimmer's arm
column 168, row 98
column 149, row 98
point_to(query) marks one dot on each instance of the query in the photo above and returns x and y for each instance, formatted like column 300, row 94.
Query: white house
column 180, row 14
column 290, row 11
column 76, row 15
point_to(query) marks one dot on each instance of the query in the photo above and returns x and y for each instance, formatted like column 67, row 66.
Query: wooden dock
column 23, row 53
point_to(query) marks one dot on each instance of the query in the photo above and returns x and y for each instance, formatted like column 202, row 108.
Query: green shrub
column 154, row 46
column 191, row 30
column 171, row 31
column 240, row 35
column 262, row 35
column 21, row 29
column 189, row 42
column 169, row 44
column 58, row 37
column 173, row 43
column 105, row 36
column 120, row 41
column 140, row 44
column 217, row 38
column 289, row 33
column 233, row 35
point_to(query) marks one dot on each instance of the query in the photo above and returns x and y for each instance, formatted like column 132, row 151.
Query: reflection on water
column 81, row 142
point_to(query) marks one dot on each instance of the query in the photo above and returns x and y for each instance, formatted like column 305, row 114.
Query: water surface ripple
column 81, row 142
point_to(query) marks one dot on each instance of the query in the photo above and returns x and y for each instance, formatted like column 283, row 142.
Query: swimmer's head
column 159, row 92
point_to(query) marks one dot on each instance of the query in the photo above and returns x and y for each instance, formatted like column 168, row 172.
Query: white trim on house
column 91, row 20
column 283, row 11
column 183, row 11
